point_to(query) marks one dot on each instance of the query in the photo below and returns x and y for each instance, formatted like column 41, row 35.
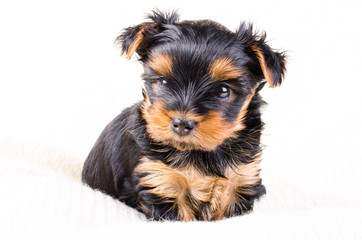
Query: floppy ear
column 271, row 63
column 139, row 38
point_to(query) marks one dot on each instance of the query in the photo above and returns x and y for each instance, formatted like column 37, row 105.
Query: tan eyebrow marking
column 224, row 68
column 162, row 64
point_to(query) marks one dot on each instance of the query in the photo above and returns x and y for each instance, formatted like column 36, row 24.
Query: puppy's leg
column 163, row 192
column 235, row 194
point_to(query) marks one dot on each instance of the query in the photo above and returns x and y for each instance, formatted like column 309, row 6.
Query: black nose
column 182, row 127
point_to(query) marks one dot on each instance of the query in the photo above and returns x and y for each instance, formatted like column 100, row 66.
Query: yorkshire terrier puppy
column 190, row 149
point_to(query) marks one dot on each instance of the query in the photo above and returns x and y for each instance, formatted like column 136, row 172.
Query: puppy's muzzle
column 182, row 126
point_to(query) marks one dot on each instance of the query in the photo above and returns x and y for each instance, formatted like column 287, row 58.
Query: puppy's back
column 114, row 156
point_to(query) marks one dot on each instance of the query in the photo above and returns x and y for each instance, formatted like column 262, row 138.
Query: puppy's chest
column 195, row 194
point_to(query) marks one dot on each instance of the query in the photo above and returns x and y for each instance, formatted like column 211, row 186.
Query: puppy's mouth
column 187, row 131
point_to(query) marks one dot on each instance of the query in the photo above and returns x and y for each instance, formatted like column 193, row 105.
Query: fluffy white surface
column 62, row 81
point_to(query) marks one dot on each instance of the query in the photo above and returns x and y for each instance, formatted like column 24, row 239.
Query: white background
column 62, row 79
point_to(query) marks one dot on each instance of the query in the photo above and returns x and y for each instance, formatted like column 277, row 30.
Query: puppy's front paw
column 156, row 207
column 163, row 192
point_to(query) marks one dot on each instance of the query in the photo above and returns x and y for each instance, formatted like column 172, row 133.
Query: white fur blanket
column 44, row 198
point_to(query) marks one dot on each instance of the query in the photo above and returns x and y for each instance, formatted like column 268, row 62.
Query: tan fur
column 166, row 183
column 139, row 38
column 188, row 188
column 267, row 73
column 162, row 64
column 224, row 68
column 137, row 41
column 211, row 129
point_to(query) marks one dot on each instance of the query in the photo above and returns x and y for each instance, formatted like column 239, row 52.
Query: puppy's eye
column 162, row 81
column 223, row 92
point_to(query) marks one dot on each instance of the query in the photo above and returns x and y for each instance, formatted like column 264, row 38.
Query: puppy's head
column 199, row 78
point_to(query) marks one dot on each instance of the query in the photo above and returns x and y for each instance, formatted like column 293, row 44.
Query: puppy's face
column 199, row 78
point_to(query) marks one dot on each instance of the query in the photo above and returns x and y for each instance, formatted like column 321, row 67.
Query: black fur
column 194, row 45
